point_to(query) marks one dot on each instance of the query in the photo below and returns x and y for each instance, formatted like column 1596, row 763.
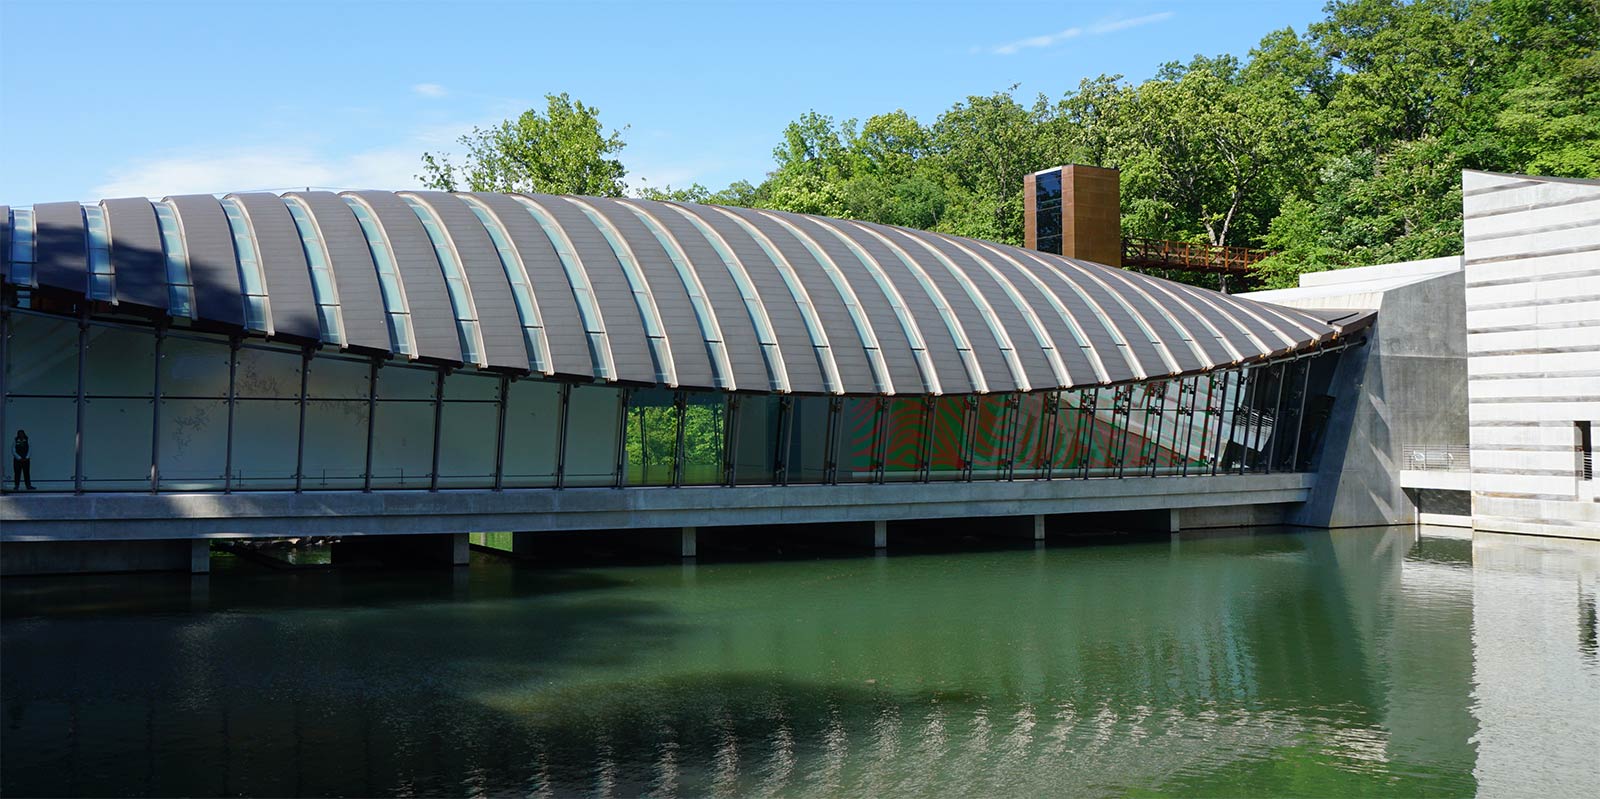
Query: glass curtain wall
column 705, row 438
column 41, row 385
column 114, row 407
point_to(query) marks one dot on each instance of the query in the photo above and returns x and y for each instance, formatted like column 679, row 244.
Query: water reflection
column 1312, row 663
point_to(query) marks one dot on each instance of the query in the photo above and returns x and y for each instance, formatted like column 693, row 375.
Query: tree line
column 1338, row 146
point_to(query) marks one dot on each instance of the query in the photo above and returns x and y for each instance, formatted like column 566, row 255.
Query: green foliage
column 562, row 151
column 1339, row 146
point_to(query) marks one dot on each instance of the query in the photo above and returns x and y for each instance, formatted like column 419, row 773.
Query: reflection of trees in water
column 1204, row 666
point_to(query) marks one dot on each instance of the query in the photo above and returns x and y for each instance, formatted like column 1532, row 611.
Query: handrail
column 1163, row 254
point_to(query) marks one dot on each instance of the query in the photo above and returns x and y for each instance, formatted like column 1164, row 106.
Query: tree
column 562, row 151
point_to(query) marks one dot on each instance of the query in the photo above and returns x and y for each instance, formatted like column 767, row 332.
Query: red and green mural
column 1156, row 426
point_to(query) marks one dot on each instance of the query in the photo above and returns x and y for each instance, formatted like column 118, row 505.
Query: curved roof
column 648, row 292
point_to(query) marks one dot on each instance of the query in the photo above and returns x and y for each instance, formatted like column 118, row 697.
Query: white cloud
column 262, row 168
column 1053, row 39
column 432, row 91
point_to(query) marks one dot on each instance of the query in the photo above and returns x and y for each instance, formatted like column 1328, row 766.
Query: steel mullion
column 925, row 443
column 1221, row 412
column 1013, row 407
column 438, row 422
column 969, row 428
column 561, row 435
column 500, row 433
column 77, row 446
column 1078, row 437
column 233, row 401
column 1161, row 416
column 730, row 441
column 1300, row 420
column 680, row 402
column 300, row 433
column 880, row 439
column 1188, row 428
column 830, row 461
column 372, row 421
column 1049, row 435
column 620, row 476
column 780, row 457
column 155, row 414
column 1123, row 403
column 1277, row 415
column 1248, row 400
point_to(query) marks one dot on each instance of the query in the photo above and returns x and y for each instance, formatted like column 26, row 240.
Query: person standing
column 21, row 471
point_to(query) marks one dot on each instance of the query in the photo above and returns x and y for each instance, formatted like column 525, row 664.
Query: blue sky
column 154, row 97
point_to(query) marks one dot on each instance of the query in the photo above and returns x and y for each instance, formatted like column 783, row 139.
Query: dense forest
column 1338, row 146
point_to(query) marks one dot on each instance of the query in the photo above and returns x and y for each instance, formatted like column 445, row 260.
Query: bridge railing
column 1163, row 254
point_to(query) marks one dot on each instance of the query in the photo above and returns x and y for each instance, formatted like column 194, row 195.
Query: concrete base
column 19, row 558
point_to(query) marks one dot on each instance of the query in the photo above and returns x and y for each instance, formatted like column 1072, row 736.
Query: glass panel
column 652, row 436
column 1032, row 437
column 477, row 386
column 907, row 439
column 704, row 431
column 116, row 444
column 268, row 373
column 533, row 416
column 52, row 428
column 1073, row 419
column 336, row 442
column 858, row 457
column 990, row 437
column 266, row 436
column 121, row 362
column 338, row 378
column 402, row 445
column 808, row 440
column 591, row 457
column 191, row 368
column 41, row 356
column 194, row 443
column 467, row 444
column 757, row 440
column 400, row 382
column 948, row 438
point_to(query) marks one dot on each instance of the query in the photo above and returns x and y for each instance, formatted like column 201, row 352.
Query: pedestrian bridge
column 425, row 362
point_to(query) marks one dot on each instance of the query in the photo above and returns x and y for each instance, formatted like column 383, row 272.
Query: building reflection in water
column 1536, row 677
column 1321, row 662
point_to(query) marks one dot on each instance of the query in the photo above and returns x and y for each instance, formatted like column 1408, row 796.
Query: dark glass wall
column 116, row 407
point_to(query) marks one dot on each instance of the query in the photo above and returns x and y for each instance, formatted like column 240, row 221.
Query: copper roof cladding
column 706, row 297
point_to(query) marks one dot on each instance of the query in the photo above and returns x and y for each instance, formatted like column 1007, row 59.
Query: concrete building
column 425, row 363
column 1481, row 385
column 431, row 365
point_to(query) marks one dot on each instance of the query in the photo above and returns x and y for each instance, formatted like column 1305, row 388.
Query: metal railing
column 1161, row 254
column 1440, row 458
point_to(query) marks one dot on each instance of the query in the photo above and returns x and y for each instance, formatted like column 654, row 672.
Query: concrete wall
column 1533, row 338
column 1406, row 388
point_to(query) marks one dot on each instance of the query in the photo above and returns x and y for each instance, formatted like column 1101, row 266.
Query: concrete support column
column 1174, row 523
column 880, row 534
column 688, row 542
column 1038, row 527
column 460, row 549
column 199, row 556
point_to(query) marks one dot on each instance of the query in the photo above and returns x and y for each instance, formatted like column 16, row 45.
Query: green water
column 1316, row 664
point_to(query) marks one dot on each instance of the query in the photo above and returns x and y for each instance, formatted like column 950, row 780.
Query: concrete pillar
column 688, row 546
column 199, row 556
column 1038, row 527
column 460, row 549
column 880, row 535
column 1173, row 522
